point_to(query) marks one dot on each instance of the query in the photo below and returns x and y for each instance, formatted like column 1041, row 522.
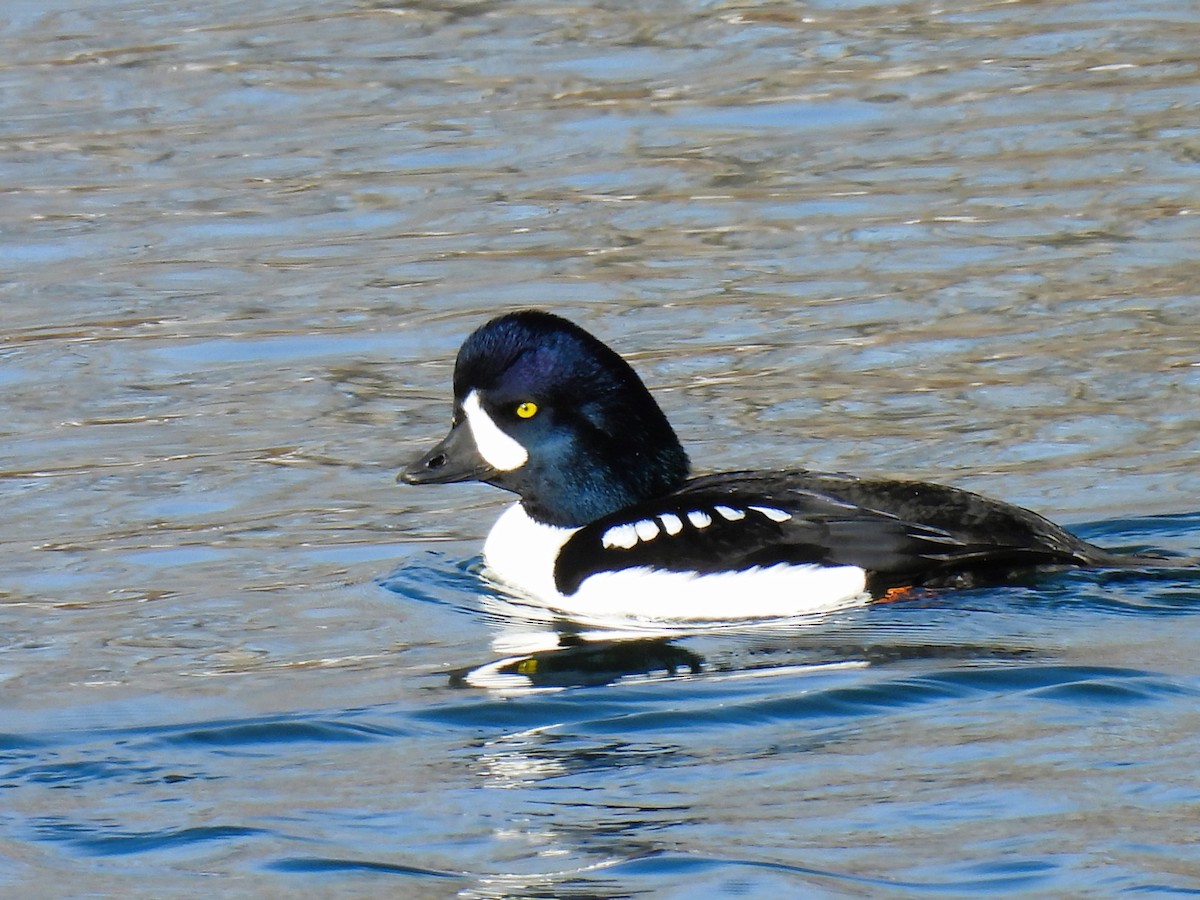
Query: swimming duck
column 609, row 522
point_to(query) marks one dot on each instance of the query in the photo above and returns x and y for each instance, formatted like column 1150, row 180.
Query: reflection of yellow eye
column 527, row 410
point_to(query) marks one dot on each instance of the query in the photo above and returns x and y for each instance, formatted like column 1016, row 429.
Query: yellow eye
column 527, row 410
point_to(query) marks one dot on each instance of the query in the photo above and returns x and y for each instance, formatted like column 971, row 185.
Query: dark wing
column 901, row 533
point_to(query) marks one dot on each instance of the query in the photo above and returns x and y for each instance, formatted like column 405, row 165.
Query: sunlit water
column 240, row 244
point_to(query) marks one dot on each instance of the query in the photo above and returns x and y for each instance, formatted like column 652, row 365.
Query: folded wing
column 899, row 533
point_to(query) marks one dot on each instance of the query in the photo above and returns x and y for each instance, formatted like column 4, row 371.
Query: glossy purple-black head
column 545, row 410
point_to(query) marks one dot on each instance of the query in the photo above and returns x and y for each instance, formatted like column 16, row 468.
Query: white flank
column 726, row 512
column 619, row 536
column 671, row 523
column 521, row 553
column 761, row 592
column 699, row 518
column 775, row 515
column 501, row 451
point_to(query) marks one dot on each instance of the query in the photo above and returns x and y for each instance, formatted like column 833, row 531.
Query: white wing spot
column 627, row 536
column 623, row 536
column 671, row 523
column 699, row 518
column 729, row 513
column 646, row 530
column 775, row 515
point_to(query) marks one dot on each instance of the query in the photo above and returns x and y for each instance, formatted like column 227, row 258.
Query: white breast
column 521, row 552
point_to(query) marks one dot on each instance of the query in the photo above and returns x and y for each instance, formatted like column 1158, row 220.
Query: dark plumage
column 600, row 457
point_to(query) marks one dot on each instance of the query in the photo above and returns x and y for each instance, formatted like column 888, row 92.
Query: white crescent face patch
column 501, row 451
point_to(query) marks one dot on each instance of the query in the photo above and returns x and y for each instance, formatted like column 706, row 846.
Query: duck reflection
column 546, row 652
column 539, row 651
column 579, row 663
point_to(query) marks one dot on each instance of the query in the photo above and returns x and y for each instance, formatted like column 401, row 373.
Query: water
column 240, row 245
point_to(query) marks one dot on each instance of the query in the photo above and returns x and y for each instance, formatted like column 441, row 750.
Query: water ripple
column 111, row 841
column 278, row 731
column 320, row 865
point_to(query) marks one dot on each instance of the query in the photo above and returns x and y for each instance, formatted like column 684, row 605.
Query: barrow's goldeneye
column 609, row 523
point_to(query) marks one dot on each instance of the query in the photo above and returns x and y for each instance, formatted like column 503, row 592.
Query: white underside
column 520, row 554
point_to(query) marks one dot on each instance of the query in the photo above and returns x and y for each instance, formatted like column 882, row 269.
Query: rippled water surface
column 239, row 246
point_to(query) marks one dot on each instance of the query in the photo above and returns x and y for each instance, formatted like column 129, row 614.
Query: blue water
column 1030, row 738
column 240, row 244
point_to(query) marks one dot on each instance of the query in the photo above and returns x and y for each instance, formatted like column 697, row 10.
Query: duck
column 610, row 522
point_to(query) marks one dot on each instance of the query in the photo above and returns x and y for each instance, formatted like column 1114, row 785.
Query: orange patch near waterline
column 891, row 595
